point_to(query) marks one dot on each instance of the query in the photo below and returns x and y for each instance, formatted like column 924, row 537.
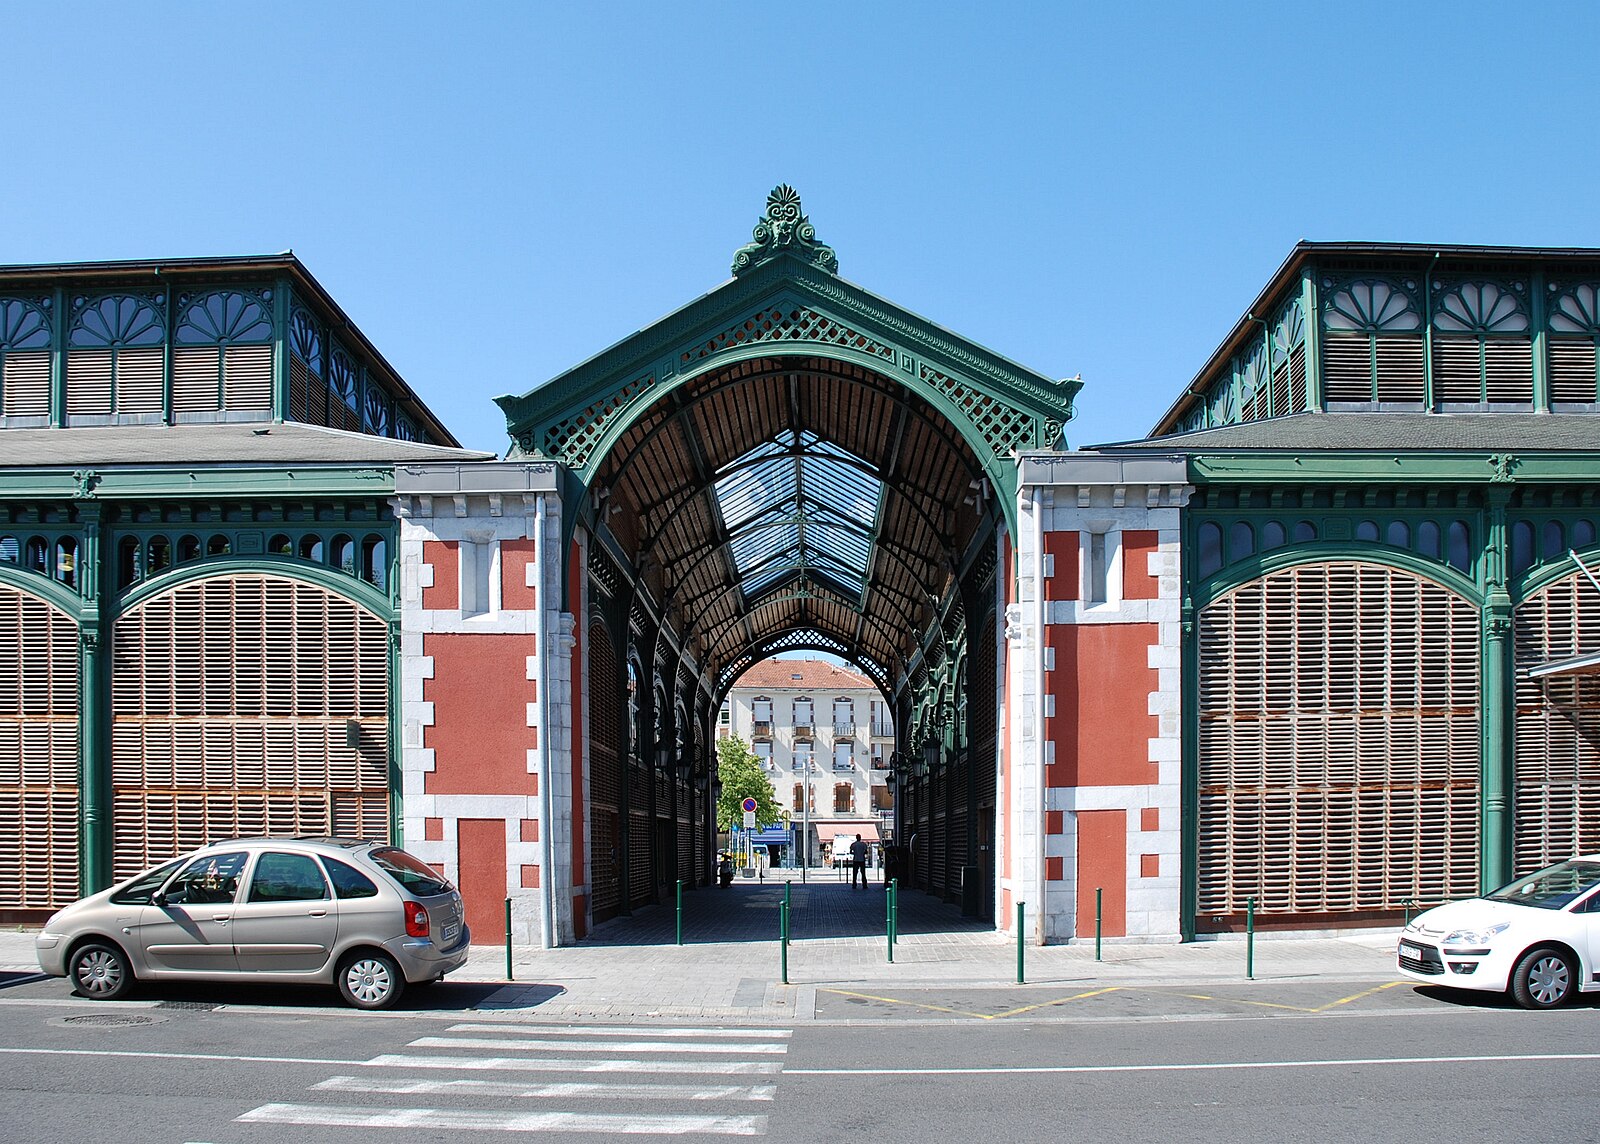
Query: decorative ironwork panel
column 224, row 317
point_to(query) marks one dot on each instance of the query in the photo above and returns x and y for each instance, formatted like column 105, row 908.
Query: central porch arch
column 788, row 462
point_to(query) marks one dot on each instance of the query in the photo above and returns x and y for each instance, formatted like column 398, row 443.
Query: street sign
column 749, row 805
column 749, row 820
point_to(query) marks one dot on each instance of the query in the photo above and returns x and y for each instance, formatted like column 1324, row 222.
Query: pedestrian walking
column 858, row 863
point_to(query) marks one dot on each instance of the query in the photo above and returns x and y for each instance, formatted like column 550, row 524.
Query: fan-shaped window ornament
column 24, row 325
column 117, row 320
column 1577, row 311
column 377, row 411
column 1479, row 308
column 1290, row 330
column 1252, row 374
column 1371, row 307
column 225, row 317
column 342, row 377
column 1222, row 403
column 305, row 339
column 403, row 428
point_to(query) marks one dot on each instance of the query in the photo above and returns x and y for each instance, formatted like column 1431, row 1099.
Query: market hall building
column 1322, row 641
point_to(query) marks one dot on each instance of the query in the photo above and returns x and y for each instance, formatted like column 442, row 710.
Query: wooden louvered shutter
column 1572, row 370
column 233, row 703
column 1339, row 743
column 88, row 382
column 247, row 377
column 139, row 380
column 38, row 753
column 1557, row 737
column 26, row 383
column 605, row 776
column 195, row 375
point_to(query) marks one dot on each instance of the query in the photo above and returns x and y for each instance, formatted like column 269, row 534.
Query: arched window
column 1521, row 547
column 38, row 554
column 1554, row 540
column 1272, row 535
column 1428, row 539
column 1208, row 542
column 1241, row 541
column 10, row 550
column 67, row 561
column 375, row 561
column 1367, row 530
column 158, row 554
column 1398, row 534
column 219, row 545
column 1461, row 546
column 1582, row 533
column 343, row 550
column 1304, row 531
column 130, row 563
column 188, row 549
column 311, row 548
column 280, row 545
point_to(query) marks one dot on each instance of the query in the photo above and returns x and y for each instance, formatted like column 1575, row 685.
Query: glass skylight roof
column 799, row 508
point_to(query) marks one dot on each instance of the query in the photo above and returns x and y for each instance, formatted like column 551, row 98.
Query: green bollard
column 1250, row 939
column 1020, row 906
column 509, row 976
column 783, row 940
column 888, row 922
column 894, row 911
column 1097, row 914
column 680, row 911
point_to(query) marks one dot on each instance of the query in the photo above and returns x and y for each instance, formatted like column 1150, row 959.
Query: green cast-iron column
column 94, row 698
column 1495, row 860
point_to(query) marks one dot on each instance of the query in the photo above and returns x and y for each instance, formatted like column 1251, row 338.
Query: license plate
column 1409, row 950
column 448, row 933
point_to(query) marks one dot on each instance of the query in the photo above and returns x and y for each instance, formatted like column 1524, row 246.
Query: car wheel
column 100, row 971
column 370, row 980
column 1543, row 979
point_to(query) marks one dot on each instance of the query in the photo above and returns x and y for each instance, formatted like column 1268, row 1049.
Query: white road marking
column 571, row 1064
column 605, row 1047
column 186, row 1056
column 409, row 1087
column 1200, row 1067
column 488, row 1121
column 612, row 1030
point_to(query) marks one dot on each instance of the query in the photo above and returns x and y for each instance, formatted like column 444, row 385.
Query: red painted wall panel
column 445, row 556
column 1103, row 863
column 515, row 594
column 480, row 695
column 481, row 852
column 1137, row 583
column 1101, row 683
column 1063, row 548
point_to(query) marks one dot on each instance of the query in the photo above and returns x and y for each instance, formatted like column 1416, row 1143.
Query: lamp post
column 805, row 820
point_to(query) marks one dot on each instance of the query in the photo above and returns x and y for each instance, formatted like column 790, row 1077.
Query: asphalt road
column 1289, row 1062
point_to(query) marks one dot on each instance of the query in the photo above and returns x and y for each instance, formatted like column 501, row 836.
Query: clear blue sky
column 496, row 192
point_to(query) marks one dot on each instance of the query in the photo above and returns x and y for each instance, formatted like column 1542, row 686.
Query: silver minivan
column 364, row 916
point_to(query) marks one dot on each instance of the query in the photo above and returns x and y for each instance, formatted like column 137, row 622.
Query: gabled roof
column 212, row 444
column 813, row 675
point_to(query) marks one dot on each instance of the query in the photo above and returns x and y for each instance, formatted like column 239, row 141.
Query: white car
column 1539, row 937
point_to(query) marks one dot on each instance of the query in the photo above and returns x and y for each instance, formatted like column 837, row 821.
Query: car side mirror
column 158, row 899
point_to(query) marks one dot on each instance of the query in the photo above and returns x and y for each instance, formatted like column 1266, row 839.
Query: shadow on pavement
column 446, row 996
column 747, row 911
column 1477, row 999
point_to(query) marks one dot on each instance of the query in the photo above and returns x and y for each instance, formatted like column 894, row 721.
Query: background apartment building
column 810, row 717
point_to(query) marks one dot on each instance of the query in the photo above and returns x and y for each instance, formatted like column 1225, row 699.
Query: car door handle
column 221, row 918
column 319, row 913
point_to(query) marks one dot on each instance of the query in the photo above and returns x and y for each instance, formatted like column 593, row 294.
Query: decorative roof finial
column 784, row 228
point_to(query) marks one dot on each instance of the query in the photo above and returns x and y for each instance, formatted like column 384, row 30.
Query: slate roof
column 1388, row 432
column 228, row 443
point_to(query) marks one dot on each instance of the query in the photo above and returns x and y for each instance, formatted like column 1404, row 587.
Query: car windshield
column 1553, row 888
column 413, row 875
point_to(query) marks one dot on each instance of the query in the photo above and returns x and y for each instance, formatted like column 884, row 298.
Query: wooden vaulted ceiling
column 797, row 442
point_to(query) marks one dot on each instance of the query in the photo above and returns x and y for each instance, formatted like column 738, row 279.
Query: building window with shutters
column 844, row 756
column 802, row 712
column 799, row 796
column 844, row 798
column 844, row 716
column 802, row 758
column 761, row 715
column 882, row 798
column 763, row 752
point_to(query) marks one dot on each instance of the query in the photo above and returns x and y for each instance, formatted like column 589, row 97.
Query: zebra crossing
column 413, row 1089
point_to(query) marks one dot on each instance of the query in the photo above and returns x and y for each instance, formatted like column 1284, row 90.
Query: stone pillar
column 485, row 692
column 1103, row 560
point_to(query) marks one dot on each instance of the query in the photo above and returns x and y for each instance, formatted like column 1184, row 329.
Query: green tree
column 742, row 778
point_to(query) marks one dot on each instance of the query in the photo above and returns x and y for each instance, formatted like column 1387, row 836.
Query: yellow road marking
column 1297, row 1008
column 969, row 1013
column 1057, row 1001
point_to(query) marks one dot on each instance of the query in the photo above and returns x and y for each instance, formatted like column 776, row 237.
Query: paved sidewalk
column 729, row 967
